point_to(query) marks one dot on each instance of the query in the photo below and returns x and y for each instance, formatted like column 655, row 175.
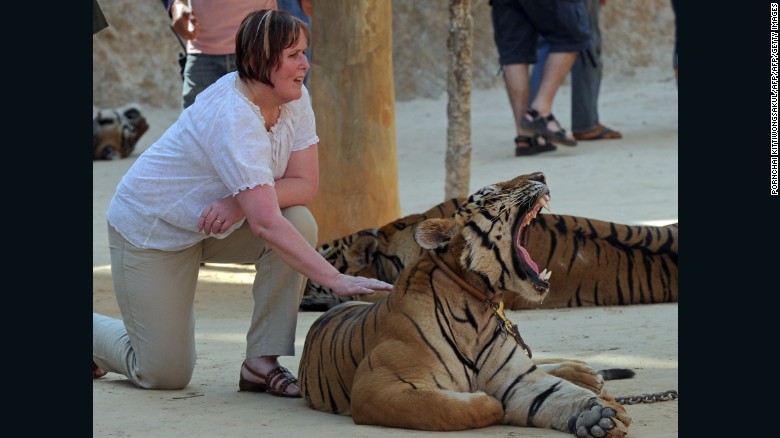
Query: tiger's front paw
column 580, row 374
column 602, row 419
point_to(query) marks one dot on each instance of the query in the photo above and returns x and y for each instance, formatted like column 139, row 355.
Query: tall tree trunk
column 458, row 158
column 354, row 103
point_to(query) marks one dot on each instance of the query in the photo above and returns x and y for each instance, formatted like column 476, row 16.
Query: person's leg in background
column 586, row 85
column 542, row 50
column 515, row 39
column 556, row 68
column 202, row 70
column 586, row 78
column 564, row 25
column 516, row 82
column 585, row 82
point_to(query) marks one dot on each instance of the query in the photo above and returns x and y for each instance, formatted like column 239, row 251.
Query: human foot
column 268, row 377
column 532, row 145
column 600, row 132
column 97, row 372
column 546, row 126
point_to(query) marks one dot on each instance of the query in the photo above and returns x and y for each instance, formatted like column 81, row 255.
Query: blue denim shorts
column 517, row 25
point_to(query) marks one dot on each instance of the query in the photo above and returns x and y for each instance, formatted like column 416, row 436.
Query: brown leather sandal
column 276, row 382
column 600, row 132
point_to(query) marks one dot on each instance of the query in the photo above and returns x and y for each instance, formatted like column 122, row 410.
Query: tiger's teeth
column 545, row 274
column 545, row 204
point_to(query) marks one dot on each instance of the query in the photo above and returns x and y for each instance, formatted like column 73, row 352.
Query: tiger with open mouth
column 438, row 352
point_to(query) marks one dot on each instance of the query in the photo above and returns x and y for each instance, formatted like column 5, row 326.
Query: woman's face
column 288, row 76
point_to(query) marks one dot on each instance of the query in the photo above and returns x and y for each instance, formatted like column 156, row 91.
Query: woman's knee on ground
column 303, row 221
column 175, row 373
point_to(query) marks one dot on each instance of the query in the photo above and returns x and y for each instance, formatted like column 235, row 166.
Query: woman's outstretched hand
column 347, row 285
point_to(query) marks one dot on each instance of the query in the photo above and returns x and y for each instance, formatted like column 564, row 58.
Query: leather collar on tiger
column 595, row 262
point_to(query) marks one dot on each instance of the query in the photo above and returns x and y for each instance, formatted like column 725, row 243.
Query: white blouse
column 217, row 147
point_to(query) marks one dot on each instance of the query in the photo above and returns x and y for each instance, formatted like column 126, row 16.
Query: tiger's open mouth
column 540, row 280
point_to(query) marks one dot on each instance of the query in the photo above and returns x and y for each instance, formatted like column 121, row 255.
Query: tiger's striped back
column 597, row 263
column 600, row 263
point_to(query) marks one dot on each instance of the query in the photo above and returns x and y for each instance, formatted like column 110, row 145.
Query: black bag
column 182, row 63
column 182, row 55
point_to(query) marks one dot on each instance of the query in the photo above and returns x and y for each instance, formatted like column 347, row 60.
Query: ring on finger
column 218, row 222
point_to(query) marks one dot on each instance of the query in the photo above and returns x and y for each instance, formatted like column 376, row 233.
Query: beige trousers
column 154, row 343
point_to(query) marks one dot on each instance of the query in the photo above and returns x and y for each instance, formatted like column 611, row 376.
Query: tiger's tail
column 616, row 373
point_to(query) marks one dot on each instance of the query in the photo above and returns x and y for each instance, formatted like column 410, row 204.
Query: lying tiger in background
column 431, row 355
column 115, row 132
column 597, row 263
column 379, row 253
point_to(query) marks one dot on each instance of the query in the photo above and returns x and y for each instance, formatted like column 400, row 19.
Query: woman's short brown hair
column 260, row 40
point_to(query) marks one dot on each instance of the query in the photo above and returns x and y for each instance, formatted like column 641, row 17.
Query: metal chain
column 647, row 398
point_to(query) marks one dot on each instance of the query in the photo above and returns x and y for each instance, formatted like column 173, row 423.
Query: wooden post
column 458, row 157
column 353, row 97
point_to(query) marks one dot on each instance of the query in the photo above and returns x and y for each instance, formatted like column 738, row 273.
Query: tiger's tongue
column 527, row 259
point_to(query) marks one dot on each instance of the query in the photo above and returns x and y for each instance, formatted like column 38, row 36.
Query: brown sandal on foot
column 275, row 383
column 600, row 132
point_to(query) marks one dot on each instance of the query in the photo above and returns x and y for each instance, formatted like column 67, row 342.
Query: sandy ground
column 633, row 180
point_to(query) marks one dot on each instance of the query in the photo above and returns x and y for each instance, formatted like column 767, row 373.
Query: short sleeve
column 305, row 127
column 239, row 148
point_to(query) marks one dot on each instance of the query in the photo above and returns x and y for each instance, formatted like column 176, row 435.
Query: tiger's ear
column 361, row 252
column 435, row 233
